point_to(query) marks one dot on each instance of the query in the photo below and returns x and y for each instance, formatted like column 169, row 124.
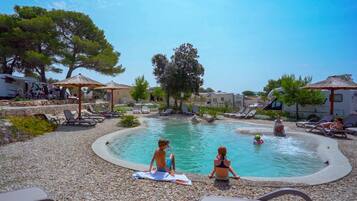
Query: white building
column 219, row 99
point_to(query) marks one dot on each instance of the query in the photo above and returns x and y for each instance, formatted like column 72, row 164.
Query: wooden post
column 79, row 102
column 112, row 108
column 332, row 94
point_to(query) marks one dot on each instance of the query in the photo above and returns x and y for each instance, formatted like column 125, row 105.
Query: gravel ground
column 64, row 165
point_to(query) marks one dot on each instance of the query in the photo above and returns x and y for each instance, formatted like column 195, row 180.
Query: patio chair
column 70, row 120
column 167, row 112
column 106, row 114
column 185, row 110
column 266, row 197
column 27, row 194
column 250, row 114
column 304, row 124
column 136, row 109
column 145, row 110
column 195, row 109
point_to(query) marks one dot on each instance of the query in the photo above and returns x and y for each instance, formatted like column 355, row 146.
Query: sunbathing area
column 178, row 100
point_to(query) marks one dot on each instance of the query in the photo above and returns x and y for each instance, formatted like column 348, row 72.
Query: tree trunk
column 297, row 111
column 181, row 100
column 43, row 78
column 63, row 90
column 168, row 100
column 175, row 103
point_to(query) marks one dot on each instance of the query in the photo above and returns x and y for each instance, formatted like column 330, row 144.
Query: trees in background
column 249, row 93
column 140, row 89
column 294, row 94
column 207, row 90
column 34, row 41
column 157, row 93
column 180, row 76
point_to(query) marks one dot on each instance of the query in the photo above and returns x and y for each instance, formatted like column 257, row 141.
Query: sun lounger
column 250, row 114
column 185, row 110
column 304, row 124
column 231, row 114
column 49, row 118
column 27, row 194
column 88, row 115
column 145, row 110
column 163, row 176
column 70, row 120
column 106, row 114
column 349, row 121
column 266, row 197
column 242, row 114
column 167, row 112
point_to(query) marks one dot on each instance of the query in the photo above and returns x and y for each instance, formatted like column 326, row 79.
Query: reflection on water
column 195, row 147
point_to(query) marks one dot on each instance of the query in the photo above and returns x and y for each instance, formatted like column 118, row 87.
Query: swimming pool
column 195, row 147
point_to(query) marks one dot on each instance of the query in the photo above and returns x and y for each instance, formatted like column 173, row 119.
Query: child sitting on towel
column 165, row 161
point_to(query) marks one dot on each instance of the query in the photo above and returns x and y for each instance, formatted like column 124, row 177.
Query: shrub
column 272, row 113
column 121, row 109
column 129, row 121
column 214, row 111
column 30, row 125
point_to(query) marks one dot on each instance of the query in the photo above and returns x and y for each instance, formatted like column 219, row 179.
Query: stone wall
column 46, row 109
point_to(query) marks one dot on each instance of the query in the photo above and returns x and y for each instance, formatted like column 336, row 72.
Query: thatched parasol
column 332, row 83
column 113, row 86
column 78, row 81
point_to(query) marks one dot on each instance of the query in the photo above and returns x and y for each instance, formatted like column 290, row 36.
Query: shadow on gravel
column 63, row 128
column 222, row 185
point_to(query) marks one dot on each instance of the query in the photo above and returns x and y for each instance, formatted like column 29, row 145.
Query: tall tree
column 42, row 43
column 12, row 44
column 182, row 75
column 157, row 93
column 84, row 44
column 294, row 94
column 140, row 89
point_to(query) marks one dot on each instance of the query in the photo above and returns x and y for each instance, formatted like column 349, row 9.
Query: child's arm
column 213, row 171
column 152, row 161
column 233, row 173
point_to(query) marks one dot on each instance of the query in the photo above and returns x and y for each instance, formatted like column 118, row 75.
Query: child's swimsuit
column 168, row 166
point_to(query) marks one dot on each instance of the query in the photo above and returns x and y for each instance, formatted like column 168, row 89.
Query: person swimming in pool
column 165, row 161
column 222, row 166
column 258, row 140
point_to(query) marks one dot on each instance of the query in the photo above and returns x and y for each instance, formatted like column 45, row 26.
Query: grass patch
column 129, row 121
column 272, row 114
column 30, row 125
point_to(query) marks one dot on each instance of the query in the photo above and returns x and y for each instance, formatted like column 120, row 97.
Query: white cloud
column 59, row 5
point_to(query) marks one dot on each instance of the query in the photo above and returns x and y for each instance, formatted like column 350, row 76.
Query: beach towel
column 163, row 176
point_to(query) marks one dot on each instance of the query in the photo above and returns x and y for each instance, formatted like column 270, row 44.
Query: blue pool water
column 195, row 147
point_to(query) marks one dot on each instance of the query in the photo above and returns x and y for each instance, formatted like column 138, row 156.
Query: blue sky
column 241, row 44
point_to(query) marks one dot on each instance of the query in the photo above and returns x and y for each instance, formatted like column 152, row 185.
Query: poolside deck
column 64, row 165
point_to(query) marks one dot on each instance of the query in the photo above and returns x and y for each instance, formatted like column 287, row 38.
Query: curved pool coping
column 327, row 149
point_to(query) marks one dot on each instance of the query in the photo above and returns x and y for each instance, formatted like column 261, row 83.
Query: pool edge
column 338, row 167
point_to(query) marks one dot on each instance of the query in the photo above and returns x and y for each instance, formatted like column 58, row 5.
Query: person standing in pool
column 165, row 161
column 222, row 166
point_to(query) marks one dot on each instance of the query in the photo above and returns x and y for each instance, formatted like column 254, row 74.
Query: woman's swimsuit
column 222, row 165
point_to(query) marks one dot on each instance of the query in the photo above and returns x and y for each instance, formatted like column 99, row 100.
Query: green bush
column 30, row 125
column 121, row 109
column 272, row 113
column 214, row 111
column 129, row 121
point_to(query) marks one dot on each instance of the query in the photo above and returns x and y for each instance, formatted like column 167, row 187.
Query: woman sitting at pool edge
column 163, row 163
column 222, row 166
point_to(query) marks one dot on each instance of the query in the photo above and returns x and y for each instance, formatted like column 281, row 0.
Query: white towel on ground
column 163, row 176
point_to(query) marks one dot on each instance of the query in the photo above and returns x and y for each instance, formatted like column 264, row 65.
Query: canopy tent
column 113, row 86
column 79, row 81
column 332, row 83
